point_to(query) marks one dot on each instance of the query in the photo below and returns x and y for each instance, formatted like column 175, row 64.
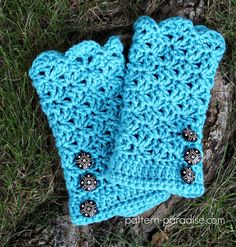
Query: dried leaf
column 158, row 238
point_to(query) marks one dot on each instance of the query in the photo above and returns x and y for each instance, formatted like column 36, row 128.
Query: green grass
column 27, row 158
column 30, row 173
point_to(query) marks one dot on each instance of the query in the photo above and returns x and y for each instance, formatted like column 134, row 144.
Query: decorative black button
column 88, row 182
column 192, row 156
column 190, row 135
column 84, row 160
column 88, row 208
column 188, row 175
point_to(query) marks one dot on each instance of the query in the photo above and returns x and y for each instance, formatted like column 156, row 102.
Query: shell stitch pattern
column 79, row 92
column 167, row 87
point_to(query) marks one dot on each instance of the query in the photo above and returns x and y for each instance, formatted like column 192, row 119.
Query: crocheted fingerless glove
column 166, row 93
column 79, row 92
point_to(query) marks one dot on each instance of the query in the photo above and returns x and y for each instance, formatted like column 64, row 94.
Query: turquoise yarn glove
column 166, row 93
column 79, row 92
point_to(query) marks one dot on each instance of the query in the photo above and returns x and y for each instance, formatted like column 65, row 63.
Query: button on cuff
column 88, row 208
column 190, row 135
column 188, row 175
column 192, row 156
column 84, row 160
column 88, row 182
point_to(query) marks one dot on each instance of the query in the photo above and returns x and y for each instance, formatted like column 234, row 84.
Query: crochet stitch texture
column 79, row 92
column 170, row 73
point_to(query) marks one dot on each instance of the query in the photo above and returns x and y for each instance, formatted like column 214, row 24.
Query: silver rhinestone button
column 88, row 182
column 192, row 156
column 84, row 160
column 190, row 135
column 88, row 208
column 188, row 175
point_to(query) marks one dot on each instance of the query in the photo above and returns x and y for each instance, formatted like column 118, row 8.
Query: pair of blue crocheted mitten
column 130, row 137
